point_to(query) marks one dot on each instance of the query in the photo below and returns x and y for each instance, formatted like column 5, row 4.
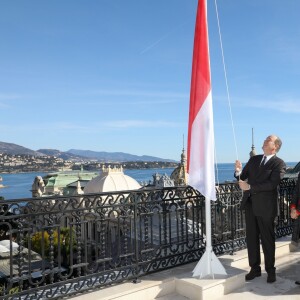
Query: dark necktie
column 263, row 161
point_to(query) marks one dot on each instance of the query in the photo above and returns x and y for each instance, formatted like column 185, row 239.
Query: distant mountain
column 74, row 154
column 14, row 149
column 115, row 156
column 60, row 154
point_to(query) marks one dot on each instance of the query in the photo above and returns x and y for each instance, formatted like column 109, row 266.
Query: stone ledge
column 179, row 281
column 240, row 259
column 208, row 288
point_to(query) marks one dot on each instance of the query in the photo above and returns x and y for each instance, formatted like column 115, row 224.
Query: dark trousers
column 260, row 228
column 296, row 230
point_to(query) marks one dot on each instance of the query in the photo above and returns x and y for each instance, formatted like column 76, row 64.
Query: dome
column 111, row 180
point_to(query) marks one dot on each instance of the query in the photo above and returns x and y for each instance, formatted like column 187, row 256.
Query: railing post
column 232, row 217
column 136, row 239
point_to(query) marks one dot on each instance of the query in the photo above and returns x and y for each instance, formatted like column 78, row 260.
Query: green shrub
column 40, row 241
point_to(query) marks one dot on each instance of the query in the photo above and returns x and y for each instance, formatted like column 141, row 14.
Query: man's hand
column 238, row 166
column 244, row 185
column 294, row 214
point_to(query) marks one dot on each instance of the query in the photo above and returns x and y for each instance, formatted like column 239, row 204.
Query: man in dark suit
column 259, row 180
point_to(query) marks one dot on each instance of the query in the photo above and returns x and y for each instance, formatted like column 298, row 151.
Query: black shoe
column 297, row 282
column 271, row 278
column 252, row 274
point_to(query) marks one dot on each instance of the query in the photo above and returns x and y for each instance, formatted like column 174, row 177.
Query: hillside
column 63, row 155
column 115, row 156
column 79, row 155
column 14, row 149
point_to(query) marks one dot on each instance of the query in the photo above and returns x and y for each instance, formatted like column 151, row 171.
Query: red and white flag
column 201, row 130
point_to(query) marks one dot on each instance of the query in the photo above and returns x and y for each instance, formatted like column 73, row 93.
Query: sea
column 18, row 185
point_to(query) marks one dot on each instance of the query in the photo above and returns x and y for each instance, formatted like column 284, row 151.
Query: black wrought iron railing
column 59, row 246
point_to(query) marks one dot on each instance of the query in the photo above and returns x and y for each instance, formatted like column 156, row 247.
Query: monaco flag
column 201, row 131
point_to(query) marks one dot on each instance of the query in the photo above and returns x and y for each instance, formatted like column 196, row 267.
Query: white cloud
column 4, row 105
column 139, row 124
column 285, row 106
column 9, row 96
column 139, row 93
column 69, row 127
column 44, row 127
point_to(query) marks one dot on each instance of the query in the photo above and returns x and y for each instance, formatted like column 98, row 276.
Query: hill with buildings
column 79, row 155
column 62, row 155
column 115, row 156
column 13, row 149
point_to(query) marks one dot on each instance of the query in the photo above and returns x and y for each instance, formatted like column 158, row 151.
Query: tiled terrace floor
column 288, row 270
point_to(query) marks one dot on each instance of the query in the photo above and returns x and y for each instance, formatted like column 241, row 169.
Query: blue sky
column 114, row 76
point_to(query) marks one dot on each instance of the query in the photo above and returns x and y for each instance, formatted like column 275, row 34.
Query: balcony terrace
column 78, row 246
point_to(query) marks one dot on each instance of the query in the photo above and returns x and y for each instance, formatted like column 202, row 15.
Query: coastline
column 18, row 184
column 290, row 165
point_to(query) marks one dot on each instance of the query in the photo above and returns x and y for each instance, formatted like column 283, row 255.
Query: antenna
column 252, row 152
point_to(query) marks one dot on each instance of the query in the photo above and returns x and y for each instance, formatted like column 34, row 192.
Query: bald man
column 259, row 180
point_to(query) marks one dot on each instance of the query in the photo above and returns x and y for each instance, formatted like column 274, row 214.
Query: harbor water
column 18, row 185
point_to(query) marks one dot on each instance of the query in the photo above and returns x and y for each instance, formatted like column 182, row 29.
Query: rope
column 217, row 170
column 227, row 88
column 226, row 81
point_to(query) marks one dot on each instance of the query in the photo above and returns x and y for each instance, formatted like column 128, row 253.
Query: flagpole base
column 208, row 265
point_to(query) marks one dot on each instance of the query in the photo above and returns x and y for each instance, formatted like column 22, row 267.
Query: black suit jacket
column 296, row 194
column 264, row 181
